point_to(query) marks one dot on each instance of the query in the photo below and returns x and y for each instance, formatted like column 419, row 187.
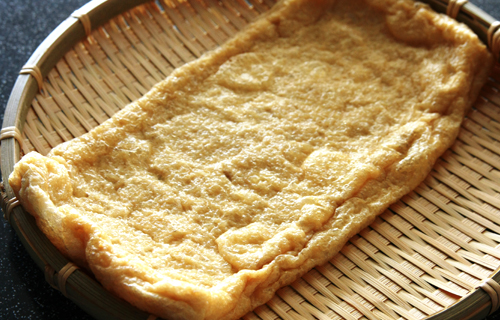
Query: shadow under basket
column 434, row 254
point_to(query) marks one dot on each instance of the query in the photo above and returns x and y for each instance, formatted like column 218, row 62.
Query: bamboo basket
column 433, row 254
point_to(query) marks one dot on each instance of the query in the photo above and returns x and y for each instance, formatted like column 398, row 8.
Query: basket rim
column 66, row 35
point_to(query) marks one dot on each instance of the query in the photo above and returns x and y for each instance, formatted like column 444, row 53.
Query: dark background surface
column 24, row 24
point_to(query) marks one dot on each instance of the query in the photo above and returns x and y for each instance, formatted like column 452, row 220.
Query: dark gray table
column 24, row 294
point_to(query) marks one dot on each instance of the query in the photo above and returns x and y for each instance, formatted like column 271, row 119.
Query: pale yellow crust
column 248, row 167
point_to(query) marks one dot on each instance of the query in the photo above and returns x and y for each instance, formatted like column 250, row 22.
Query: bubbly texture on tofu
column 246, row 168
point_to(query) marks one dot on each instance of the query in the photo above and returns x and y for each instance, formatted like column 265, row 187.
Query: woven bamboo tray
column 427, row 256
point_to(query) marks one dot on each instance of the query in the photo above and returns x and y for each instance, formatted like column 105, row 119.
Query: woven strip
column 454, row 7
column 12, row 132
column 35, row 72
column 492, row 288
column 84, row 19
column 494, row 39
column 9, row 206
column 63, row 276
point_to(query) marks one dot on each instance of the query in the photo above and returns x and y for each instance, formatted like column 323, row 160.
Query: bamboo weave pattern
column 423, row 254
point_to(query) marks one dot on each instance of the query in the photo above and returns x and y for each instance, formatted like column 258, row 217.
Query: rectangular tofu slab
column 248, row 167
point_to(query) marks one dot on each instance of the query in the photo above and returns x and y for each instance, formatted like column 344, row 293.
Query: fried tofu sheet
column 251, row 165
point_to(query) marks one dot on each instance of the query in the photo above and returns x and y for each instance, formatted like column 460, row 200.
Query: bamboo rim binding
column 492, row 288
column 12, row 132
column 84, row 19
column 62, row 276
column 494, row 39
column 10, row 204
column 35, row 72
column 454, row 7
